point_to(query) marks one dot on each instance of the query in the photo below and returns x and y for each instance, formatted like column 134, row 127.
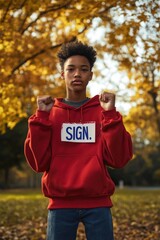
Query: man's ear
column 91, row 75
column 62, row 74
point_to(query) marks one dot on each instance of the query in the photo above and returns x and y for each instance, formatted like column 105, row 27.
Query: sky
column 115, row 81
column 122, row 94
column 110, row 78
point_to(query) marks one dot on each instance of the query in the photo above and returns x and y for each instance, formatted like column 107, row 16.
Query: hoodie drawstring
column 81, row 119
column 68, row 113
column 81, row 114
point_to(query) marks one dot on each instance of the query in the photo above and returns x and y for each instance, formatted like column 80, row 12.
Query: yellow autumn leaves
column 10, row 107
column 32, row 32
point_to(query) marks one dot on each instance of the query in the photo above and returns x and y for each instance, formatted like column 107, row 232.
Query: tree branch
column 53, row 8
column 33, row 56
column 74, row 38
column 23, row 20
column 23, row 3
column 5, row 14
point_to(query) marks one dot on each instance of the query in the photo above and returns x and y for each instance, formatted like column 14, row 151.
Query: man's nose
column 77, row 72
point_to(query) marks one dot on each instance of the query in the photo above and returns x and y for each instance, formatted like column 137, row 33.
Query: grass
column 136, row 215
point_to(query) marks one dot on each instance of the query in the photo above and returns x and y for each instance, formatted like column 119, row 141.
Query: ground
column 136, row 215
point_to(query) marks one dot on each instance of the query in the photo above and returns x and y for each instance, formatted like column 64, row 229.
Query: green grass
column 136, row 215
column 17, row 194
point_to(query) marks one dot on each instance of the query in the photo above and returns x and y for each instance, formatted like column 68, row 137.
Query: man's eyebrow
column 72, row 65
column 84, row 65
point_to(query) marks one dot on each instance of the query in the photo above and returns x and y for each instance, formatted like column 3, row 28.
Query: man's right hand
column 45, row 103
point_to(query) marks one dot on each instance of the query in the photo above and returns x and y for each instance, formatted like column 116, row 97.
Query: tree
column 132, row 39
column 11, row 150
column 31, row 33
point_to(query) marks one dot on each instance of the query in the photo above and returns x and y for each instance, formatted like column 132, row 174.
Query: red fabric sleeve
column 37, row 147
column 117, row 143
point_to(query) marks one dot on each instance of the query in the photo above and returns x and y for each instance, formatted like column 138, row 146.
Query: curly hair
column 76, row 48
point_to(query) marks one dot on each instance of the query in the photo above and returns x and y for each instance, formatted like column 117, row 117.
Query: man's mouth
column 77, row 82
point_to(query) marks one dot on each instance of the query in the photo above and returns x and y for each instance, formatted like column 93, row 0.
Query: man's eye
column 70, row 69
column 84, row 69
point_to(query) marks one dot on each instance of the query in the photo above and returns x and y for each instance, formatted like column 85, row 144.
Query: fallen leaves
column 136, row 215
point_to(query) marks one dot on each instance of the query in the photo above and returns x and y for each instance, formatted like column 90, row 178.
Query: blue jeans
column 63, row 223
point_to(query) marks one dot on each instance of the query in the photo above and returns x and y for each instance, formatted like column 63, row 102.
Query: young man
column 71, row 140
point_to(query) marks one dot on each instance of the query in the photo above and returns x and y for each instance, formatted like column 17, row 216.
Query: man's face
column 77, row 73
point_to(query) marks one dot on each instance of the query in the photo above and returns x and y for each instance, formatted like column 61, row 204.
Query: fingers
column 45, row 103
column 48, row 100
column 45, row 99
column 106, row 96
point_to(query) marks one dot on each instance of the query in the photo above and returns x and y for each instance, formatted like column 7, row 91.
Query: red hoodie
column 72, row 146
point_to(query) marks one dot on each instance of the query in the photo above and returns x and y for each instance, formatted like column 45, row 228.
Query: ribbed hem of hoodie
column 79, row 202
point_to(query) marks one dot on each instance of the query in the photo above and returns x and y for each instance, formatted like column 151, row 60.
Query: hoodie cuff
column 42, row 114
column 110, row 114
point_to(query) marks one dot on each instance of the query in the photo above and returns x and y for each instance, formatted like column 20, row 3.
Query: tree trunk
column 6, row 178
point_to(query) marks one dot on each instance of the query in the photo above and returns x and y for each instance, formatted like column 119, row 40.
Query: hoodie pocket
column 75, row 176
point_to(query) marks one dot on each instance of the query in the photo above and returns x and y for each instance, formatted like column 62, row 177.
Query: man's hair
column 76, row 48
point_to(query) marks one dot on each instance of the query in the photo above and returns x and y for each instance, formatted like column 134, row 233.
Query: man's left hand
column 107, row 100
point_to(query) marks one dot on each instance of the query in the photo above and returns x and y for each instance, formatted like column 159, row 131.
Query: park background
column 126, row 36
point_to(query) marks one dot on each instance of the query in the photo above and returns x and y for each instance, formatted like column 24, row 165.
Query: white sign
column 78, row 132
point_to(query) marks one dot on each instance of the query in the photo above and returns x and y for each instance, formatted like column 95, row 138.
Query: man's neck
column 76, row 97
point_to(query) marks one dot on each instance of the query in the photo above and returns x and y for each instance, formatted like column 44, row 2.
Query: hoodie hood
column 94, row 101
column 80, row 111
